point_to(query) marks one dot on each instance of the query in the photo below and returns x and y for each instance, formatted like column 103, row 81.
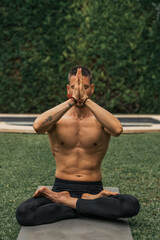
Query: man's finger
column 82, row 85
column 76, row 88
column 76, row 82
column 77, row 72
column 36, row 193
column 80, row 73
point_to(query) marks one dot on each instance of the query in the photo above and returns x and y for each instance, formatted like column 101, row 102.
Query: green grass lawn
column 132, row 164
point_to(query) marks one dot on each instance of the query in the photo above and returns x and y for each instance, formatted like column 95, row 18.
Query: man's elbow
column 37, row 128
column 118, row 131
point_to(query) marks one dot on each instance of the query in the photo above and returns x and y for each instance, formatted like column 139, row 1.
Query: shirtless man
column 79, row 131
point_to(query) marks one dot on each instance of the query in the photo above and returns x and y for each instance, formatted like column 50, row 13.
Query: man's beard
column 80, row 106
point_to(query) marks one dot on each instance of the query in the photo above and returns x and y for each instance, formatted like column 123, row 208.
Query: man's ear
column 68, row 88
column 92, row 88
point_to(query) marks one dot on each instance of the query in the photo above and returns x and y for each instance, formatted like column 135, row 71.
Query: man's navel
column 78, row 175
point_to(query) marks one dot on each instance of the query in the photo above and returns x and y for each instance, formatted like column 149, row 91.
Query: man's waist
column 77, row 187
column 79, row 176
column 66, row 181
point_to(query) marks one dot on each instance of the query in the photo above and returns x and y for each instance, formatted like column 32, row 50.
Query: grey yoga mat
column 79, row 229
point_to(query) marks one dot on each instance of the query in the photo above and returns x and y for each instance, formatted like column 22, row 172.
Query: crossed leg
column 40, row 210
column 47, row 206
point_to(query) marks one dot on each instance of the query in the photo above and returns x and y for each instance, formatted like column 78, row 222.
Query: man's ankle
column 69, row 202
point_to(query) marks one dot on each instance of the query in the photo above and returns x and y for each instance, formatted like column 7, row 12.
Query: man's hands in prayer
column 76, row 88
column 79, row 92
column 82, row 91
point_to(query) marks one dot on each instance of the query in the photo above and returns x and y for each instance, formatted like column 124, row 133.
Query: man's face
column 89, row 88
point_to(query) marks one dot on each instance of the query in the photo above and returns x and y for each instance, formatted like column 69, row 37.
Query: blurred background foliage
column 119, row 41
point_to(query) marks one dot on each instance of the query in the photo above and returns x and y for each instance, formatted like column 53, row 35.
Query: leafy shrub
column 42, row 39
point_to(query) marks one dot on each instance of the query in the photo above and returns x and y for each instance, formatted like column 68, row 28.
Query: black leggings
column 36, row 211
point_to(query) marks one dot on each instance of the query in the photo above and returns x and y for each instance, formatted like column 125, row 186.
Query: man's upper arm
column 106, row 130
column 52, row 128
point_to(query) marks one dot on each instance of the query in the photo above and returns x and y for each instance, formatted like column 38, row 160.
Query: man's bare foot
column 103, row 193
column 63, row 198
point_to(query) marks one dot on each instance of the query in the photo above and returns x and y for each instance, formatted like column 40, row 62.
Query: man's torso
column 78, row 147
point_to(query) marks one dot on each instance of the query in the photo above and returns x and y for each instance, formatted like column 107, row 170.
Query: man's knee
column 24, row 215
column 130, row 205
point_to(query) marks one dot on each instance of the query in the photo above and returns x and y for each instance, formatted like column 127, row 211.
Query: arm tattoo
column 47, row 120
column 71, row 104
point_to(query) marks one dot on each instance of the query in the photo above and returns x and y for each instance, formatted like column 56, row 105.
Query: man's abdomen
column 78, row 167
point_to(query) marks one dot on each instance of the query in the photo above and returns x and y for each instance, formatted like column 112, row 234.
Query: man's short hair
column 85, row 72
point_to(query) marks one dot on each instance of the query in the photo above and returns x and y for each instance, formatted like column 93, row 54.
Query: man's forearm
column 111, row 124
column 46, row 120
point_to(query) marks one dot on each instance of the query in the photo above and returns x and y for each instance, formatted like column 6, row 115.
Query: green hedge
column 42, row 39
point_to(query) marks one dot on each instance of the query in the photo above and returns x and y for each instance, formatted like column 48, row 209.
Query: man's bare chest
column 84, row 133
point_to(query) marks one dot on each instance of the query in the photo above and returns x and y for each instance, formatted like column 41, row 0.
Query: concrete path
column 22, row 123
